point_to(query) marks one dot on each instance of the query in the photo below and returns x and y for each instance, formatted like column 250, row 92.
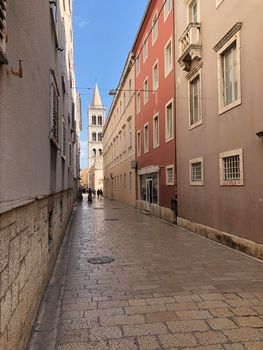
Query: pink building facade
column 155, row 110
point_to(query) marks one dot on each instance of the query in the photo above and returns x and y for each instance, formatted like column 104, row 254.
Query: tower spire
column 96, row 101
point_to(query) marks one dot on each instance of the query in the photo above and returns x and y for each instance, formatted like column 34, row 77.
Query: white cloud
column 79, row 21
column 83, row 154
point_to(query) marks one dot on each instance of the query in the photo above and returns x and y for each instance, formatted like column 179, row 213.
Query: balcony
column 190, row 46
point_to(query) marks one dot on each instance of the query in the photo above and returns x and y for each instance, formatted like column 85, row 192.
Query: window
column 130, row 134
column 168, row 65
column 145, row 91
column 3, row 59
column 156, row 131
column 130, row 89
column 138, row 65
column 167, row 8
column 94, row 137
column 124, row 100
column 54, row 16
column 124, row 181
column 155, row 76
column 69, row 154
column 231, row 168
column 155, row 27
column 100, row 152
column 130, row 181
column 138, row 102
column 196, row 171
column 146, row 138
column 99, row 120
column 193, row 12
column 93, row 120
column 94, row 153
column 145, row 48
column 170, row 175
column 139, row 144
column 64, row 139
column 229, row 76
column 99, row 136
column 195, row 101
column 169, row 133
column 54, row 112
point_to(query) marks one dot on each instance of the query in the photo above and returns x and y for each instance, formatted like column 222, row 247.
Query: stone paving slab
column 166, row 288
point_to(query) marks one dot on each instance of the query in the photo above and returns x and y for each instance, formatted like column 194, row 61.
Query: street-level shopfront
column 149, row 184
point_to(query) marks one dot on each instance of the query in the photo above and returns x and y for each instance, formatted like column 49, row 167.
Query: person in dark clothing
column 89, row 196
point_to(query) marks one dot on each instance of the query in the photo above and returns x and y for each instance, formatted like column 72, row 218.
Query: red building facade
column 155, row 110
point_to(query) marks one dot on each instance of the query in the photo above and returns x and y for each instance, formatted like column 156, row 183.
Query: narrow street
column 165, row 289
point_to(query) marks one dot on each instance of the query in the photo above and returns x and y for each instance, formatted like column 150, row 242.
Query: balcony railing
column 190, row 45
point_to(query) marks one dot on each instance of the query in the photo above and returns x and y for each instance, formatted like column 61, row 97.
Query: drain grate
column 112, row 219
column 100, row 260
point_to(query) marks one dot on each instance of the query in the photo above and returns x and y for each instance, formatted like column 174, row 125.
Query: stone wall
column 156, row 210
column 30, row 238
column 249, row 247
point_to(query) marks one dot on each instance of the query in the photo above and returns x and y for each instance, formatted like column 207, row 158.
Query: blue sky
column 104, row 31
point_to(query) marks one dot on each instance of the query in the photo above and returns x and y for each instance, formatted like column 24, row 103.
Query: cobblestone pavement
column 166, row 289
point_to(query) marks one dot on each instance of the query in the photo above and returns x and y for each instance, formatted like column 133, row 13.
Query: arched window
column 93, row 120
column 94, row 152
column 94, row 136
column 100, row 151
column 99, row 136
column 99, row 120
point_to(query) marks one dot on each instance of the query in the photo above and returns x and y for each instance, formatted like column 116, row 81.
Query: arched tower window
column 94, row 152
column 99, row 120
column 100, row 151
column 94, row 136
column 99, row 136
column 93, row 120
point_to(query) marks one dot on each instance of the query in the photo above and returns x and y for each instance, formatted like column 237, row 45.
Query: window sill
column 54, row 142
column 195, row 125
column 167, row 73
column 232, row 183
column 156, row 146
column 230, row 106
column 168, row 140
column 196, row 183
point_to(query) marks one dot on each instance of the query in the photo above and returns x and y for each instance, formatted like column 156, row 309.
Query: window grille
column 196, row 173
column 3, row 18
column 55, row 113
column 3, row 31
column 232, row 168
